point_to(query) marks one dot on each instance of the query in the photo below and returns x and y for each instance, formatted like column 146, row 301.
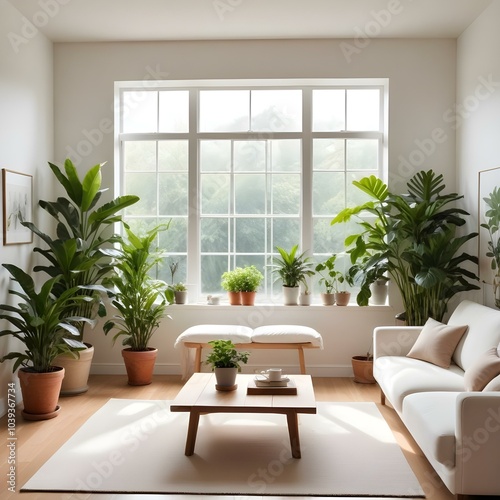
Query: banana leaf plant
column 83, row 229
column 413, row 238
column 42, row 321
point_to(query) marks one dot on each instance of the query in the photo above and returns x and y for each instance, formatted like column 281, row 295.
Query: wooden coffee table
column 198, row 396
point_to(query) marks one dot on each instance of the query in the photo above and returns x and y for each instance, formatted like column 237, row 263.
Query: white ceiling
column 121, row 20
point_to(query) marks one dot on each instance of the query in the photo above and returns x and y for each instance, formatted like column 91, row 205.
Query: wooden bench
column 298, row 346
column 288, row 337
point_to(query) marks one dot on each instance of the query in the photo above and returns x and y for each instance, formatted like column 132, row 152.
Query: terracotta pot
column 362, row 368
column 77, row 371
column 40, row 393
column 342, row 298
column 328, row 299
column 226, row 378
column 234, row 298
column 140, row 365
column 248, row 298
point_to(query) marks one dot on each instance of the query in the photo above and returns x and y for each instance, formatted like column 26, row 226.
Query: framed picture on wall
column 489, row 213
column 17, row 195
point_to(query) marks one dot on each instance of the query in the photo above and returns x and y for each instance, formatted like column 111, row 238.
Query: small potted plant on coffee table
column 225, row 361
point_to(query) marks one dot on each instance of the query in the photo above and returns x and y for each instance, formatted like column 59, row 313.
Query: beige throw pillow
column 482, row 371
column 437, row 342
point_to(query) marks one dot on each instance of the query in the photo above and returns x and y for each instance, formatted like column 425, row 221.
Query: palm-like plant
column 42, row 321
column 413, row 238
column 292, row 269
column 140, row 299
column 492, row 225
column 83, row 230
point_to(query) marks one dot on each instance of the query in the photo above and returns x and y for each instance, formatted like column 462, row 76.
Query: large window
column 242, row 167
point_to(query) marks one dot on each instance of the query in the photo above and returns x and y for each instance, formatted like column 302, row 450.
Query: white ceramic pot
column 290, row 295
column 379, row 290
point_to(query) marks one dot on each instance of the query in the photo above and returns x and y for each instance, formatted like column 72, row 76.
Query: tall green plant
column 140, row 299
column 492, row 225
column 42, row 321
column 413, row 238
column 83, row 230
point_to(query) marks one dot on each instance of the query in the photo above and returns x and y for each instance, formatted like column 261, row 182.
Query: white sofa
column 458, row 430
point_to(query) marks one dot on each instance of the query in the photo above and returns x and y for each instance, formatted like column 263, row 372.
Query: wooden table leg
column 293, row 431
column 194, row 418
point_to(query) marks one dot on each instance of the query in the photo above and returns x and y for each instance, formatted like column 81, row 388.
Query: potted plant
column 180, row 293
column 225, row 361
column 362, row 368
column 248, row 280
column 332, row 279
column 292, row 270
column 179, row 289
column 492, row 224
column 77, row 253
column 43, row 324
column 230, row 283
column 140, row 300
column 414, row 236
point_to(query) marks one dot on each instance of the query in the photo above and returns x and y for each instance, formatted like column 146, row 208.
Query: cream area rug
column 135, row 446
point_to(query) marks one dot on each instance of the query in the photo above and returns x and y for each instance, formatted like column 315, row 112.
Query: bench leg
column 197, row 359
column 302, row 361
column 382, row 397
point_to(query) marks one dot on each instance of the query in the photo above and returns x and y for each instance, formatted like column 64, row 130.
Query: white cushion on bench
column 204, row 333
column 281, row 334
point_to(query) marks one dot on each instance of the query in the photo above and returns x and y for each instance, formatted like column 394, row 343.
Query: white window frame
column 193, row 136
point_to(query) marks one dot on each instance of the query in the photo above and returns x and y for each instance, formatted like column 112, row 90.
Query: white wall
column 478, row 95
column 422, row 88
column 26, row 137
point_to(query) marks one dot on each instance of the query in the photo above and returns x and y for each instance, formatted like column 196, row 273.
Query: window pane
column 215, row 156
column 224, row 110
column 363, row 109
column 328, row 154
column 214, row 235
column 174, row 111
column 286, row 194
column 250, row 235
column 144, row 186
column 249, row 193
column 139, row 156
column 140, row 111
column 173, row 194
column 215, row 194
column 277, row 110
column 175, row 239
column 212, row 267
column 286, row 155
column 172, row 155
column 328, row 239
column 362, row 154
column 328, row 193
column 328, row 110
column 250, row 156
column 284, row 233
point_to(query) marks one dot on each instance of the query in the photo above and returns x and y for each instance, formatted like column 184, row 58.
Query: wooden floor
column 37, row 441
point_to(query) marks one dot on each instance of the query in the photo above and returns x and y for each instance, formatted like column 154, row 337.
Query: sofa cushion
column 494, row 385
column 204, row 333
column 431, row 420
column 436, row 343
column 483, row 332
column 399, row 376
column 482, row 371
column 287, row 333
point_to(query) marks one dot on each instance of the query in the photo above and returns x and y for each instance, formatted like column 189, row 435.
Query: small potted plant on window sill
column 225, row 361
column 333, row 280
column 292, row 270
